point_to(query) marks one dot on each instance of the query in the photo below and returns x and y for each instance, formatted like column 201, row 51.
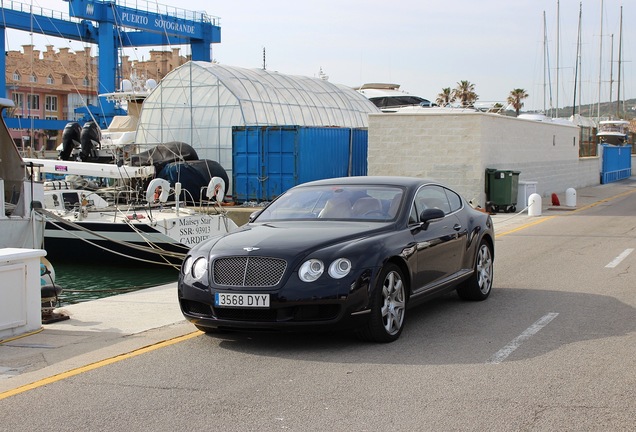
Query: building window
column 18, row 100
column 50, row 103
column 50, row 80
column 33, row 78
column 50, row 117
column 86, row 82
column 16, row 76
column 33, row 102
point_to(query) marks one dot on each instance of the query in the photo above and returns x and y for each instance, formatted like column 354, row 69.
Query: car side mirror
column 429, row 215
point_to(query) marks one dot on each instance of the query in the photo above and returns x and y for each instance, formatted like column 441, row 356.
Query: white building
column 456, row 147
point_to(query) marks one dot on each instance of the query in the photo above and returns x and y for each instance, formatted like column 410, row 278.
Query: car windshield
column 336, row 202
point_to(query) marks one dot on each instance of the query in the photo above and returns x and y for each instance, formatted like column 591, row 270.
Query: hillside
column 628, row 110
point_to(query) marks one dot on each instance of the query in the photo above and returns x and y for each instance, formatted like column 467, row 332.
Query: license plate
column 241, row 300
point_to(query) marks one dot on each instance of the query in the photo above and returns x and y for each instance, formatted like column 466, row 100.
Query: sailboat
column 111, row 203
column 145, row 228
column 20, row 225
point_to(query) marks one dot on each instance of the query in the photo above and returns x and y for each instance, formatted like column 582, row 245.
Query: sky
column 423, row 45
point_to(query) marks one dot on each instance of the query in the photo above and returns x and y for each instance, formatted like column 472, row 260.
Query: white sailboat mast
column 600, row 66
column 620, row 56
column 577, row 69
column 611, row 81
column 558, row 40
column 547, row 79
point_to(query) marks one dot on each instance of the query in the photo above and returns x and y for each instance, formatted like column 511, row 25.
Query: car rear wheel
column 388, row 307
column 479, row 285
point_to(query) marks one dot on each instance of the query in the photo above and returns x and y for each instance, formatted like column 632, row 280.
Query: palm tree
column 445, row 97
column 465, row 92
column 516, row 98
column 496, row 108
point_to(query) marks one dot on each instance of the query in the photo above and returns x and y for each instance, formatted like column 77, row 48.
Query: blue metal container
column 268, row 160
column 617, row 163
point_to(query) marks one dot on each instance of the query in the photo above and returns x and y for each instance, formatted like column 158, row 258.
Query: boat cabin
column 64, row 199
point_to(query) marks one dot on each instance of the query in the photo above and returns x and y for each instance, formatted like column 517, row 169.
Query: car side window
column 454, row 200
column 431, row 196
column 413, row 216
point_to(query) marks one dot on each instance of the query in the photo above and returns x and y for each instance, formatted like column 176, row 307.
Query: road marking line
column 503, row 353
column 96, row 365
column 619, row 258
column 11, row 339
column 524, row 226
column 546, row 218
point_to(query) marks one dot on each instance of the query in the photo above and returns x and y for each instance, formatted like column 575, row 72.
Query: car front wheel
column 479, row 285
column 388, row 307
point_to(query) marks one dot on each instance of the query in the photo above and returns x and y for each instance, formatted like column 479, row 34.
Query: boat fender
column 152, row 190
column 216, row 189
column 47, row 272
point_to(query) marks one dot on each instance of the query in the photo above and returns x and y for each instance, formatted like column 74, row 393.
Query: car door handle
column 457, row 227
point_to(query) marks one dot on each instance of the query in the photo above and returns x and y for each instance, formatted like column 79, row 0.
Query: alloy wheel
column 394, row 298
column 484, row 269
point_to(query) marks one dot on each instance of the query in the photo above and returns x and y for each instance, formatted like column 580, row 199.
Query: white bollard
column 534, row 205
column 570, row 197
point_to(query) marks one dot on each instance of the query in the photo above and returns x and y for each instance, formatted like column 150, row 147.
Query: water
column 83, row 282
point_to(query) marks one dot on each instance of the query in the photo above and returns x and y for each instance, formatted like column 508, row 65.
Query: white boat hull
column 132, row 237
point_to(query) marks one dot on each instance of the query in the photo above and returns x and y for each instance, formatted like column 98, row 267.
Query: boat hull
column 164, row 240
column 73, row 245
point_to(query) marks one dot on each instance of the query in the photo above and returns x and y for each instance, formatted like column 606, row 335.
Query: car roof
column 372, row 180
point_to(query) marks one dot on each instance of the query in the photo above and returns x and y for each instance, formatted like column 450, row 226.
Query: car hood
column 289, row 238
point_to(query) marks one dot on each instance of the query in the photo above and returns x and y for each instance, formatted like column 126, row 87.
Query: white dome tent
column 199, row 103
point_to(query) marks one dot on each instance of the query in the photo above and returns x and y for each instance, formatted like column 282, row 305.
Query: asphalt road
column 553, row 348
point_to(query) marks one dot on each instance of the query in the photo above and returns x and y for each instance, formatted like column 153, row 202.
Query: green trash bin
column 501, row 189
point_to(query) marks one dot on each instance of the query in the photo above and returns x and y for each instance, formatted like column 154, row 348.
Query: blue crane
column 112, row 25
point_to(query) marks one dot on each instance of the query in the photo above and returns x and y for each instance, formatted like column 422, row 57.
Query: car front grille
column 248, row 271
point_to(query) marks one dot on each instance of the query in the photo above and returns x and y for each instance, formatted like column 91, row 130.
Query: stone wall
column 456, row 148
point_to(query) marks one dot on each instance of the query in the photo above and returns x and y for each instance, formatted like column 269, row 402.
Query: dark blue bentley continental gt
column 351, row 252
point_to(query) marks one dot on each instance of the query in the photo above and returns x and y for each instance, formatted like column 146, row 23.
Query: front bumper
column 295, row 305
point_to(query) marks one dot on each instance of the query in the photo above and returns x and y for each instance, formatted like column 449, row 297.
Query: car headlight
column 199, row 268
column 187, row 265
column 311, row 270
column 339, row 268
